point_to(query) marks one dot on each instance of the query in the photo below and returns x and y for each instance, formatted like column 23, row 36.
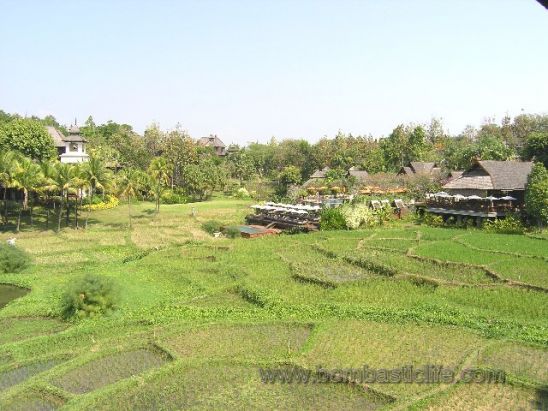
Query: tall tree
column 97, row 177
column 63, row 180
column 28, row 176
column 536, row 194
column 159, row 172
column 129, row 184
column 8, row 166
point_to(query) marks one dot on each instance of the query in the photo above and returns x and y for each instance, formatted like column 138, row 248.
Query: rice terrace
column 199, row 316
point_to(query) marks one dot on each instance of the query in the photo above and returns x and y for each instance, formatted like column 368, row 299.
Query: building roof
column 56, row 136
column 212, row 141
column 320, row 173
column 59, row 139
column 422, row 166
column 360, row 175
column 493, row 175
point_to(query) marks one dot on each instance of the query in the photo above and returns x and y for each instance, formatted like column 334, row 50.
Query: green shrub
column 13, row 259
column 232, row 232
column 358, row 215
column 332, row 219
column 89, row 296
column 173, row 197
column 242, row 193
column 509, row 225
column 212, row 226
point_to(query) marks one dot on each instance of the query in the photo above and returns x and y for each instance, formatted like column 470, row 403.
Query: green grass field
column 199, row 316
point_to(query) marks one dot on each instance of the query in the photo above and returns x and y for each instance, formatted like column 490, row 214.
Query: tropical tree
column 159, row 172
column 96, row 177
column 28, row 176
column 63, row 179
column 129, row 184
column 536, row 195
column 48, row 185
column 27, row 136
column 8, row 163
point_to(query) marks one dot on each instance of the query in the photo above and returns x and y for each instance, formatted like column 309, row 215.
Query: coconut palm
column 28, row 176
column 48, row 185
column 128, row 185
column 63, row 179
column 97, row 177
column 159, row 171
column 8, row 163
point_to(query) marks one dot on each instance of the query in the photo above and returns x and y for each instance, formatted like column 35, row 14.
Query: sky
column 251, row 70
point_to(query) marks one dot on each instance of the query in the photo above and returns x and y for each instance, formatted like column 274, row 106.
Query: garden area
column 166, row 316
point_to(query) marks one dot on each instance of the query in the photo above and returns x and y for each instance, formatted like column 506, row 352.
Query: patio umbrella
column 491, row 198
column 508, row 198
column 474, row 197
column 459, row 196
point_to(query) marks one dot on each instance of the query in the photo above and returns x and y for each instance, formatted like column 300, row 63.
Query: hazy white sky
column 249, row 70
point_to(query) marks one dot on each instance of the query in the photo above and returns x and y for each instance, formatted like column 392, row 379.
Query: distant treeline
column 522, row 137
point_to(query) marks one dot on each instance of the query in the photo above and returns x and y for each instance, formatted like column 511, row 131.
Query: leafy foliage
column 13, row 259
column 332, row 219
column 90, row 296
column 28, row 137
column 511, row 224
column 536, row 195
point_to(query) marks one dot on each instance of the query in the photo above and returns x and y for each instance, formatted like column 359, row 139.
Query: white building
column 72, row 148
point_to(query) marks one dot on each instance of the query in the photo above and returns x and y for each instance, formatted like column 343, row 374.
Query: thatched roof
column 212, row 141
column 493, row 175
column 320, row 173
column 59, row 139
column 419, row 167
column 56, row 136
column 423, row 167
column 360, row 175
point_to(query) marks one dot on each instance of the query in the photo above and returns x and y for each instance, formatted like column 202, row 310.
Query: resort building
column 492, row 178
column 71, row 148
column 488, row 189
column 214, row 142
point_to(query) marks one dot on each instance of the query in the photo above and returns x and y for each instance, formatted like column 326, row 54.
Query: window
column 73, row 146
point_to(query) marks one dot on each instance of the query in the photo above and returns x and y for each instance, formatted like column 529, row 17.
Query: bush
column 357, row 216
column 509, row 225
column 173, row 197
column 13, row 259
column 89, row 296
column 232, row 232
column 242, row 194
column 212, row 226
column 332, row 219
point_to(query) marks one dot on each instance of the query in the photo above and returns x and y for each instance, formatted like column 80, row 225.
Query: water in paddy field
column 10, row 292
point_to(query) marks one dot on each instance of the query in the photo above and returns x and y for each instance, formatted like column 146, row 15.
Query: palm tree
column 8, row 163
column 63, row 179
column 159, row 172
column 28, row 176
column 48, row 185
column 128, row 185
column 97, row 177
